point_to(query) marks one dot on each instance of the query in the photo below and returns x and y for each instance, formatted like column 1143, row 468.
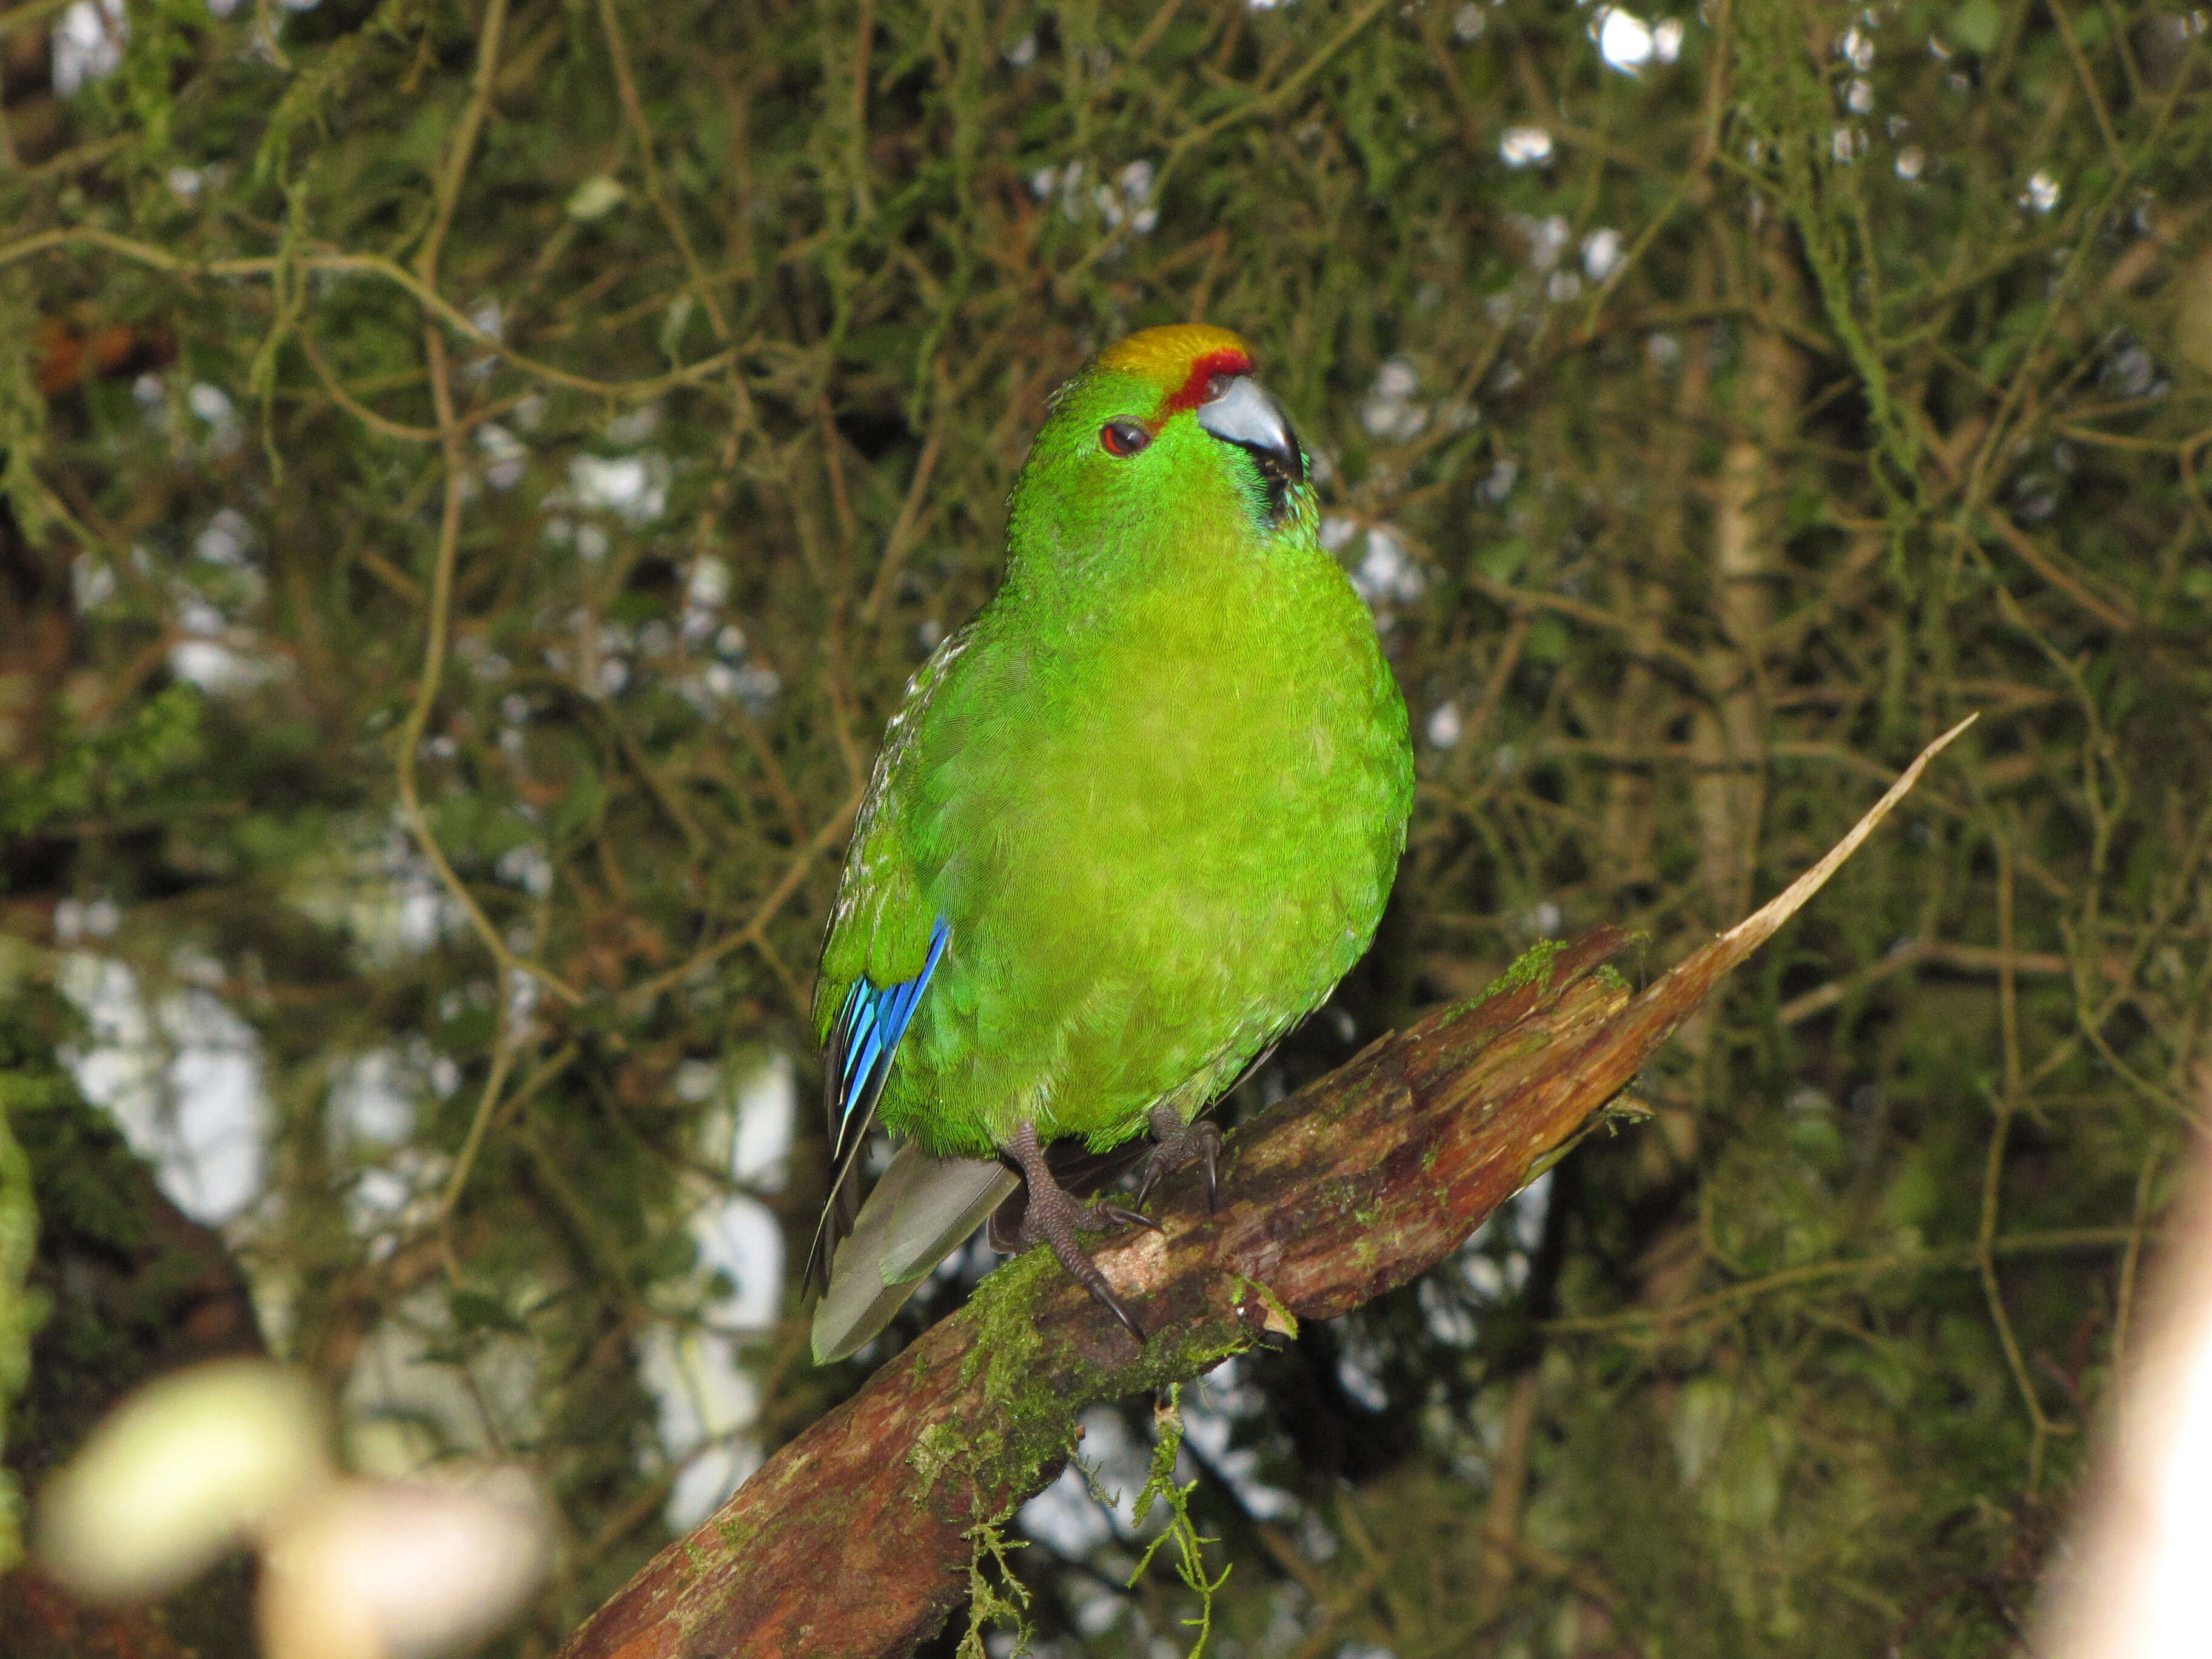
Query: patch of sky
column 753, row 684
column 207, row 661
column 2129, row 371
column 92, row 582
column 1389, row 411
column 371, row 1102
column 1448, row 1318
column 1627, row 42
column 706, row 590
column 1359, row 1370
column 376, row 886
column 475, row 650
column 704, row 1402
column 408, row 1404
column 1547, row 240
column 527, row 867
column 1601, row 253
column 692, row 1365
column 1209, row 1413
column 633, row 488
column 87, row 42
column 1387, row 572
column 1494, row 1261
column 504, row 454
column 1523, row 147
column 225, row 539
column 1067, row 1515
column 180, row 1073
column 224, row 433
column 1124, row 199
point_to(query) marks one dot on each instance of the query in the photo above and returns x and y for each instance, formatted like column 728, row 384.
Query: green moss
column 1003, row 1309
column 1284, row 1319
column 111, row 768
column 988, row 1603
column 1161, row 1487
column 1526, row 968
column 935, row 1450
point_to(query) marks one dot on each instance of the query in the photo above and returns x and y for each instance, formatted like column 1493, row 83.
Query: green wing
column 884, row 943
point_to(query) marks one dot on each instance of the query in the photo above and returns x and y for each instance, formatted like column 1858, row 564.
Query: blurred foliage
column 480, row 472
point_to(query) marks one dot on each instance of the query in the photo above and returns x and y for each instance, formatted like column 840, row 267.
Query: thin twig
column 642, row 995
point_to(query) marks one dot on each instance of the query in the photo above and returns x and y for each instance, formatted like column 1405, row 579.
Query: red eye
column 1122, row 439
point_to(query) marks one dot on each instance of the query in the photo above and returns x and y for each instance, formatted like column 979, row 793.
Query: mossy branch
column 857, row 1537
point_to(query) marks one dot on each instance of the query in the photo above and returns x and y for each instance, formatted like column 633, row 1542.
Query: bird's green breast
column 1160, row 822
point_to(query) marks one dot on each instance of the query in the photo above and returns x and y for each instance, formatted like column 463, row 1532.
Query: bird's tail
column 918, row 1212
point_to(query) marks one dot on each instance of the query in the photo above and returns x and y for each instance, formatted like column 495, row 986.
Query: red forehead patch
column 1191, row 393
column 1179, row 358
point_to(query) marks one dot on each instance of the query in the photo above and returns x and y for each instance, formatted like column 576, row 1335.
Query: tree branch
column 855, row 1539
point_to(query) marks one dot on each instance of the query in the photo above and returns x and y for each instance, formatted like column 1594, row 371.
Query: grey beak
column 1246, row 416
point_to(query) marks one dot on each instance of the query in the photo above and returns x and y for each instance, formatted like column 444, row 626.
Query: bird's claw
column 1176, row 1145
column 1052, row 1218
column 1125, row 1217
column 1114, row 1306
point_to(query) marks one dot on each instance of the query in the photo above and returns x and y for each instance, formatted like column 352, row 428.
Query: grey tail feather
column 917, row 1214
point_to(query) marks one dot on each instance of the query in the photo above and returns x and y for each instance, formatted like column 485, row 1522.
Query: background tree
column 478, row 476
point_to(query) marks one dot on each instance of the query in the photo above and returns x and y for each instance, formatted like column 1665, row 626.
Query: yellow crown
column 1166, row 353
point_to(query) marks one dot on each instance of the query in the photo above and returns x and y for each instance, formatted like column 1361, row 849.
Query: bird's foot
column 1176, row 1145
column 1051, row 1217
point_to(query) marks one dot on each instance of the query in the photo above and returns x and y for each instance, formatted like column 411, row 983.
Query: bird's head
column 1165, row 428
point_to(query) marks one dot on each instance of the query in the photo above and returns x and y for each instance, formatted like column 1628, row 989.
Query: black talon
column 1126, row 1217
column 1128, row 1322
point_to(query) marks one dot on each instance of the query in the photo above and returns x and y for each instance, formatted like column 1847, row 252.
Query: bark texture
column 855, row 1539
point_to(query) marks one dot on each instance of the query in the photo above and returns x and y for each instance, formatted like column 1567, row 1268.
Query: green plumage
column 1156, row 792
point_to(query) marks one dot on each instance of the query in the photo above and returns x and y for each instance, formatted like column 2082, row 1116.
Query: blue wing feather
column 864, row 1040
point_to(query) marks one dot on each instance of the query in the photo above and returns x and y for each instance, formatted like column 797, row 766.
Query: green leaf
column 473, row 1311
column 1503, row 562
column 1976, row 25
column 1549, row 640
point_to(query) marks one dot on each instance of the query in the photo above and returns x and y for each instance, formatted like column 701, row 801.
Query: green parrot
column 1133, row 821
